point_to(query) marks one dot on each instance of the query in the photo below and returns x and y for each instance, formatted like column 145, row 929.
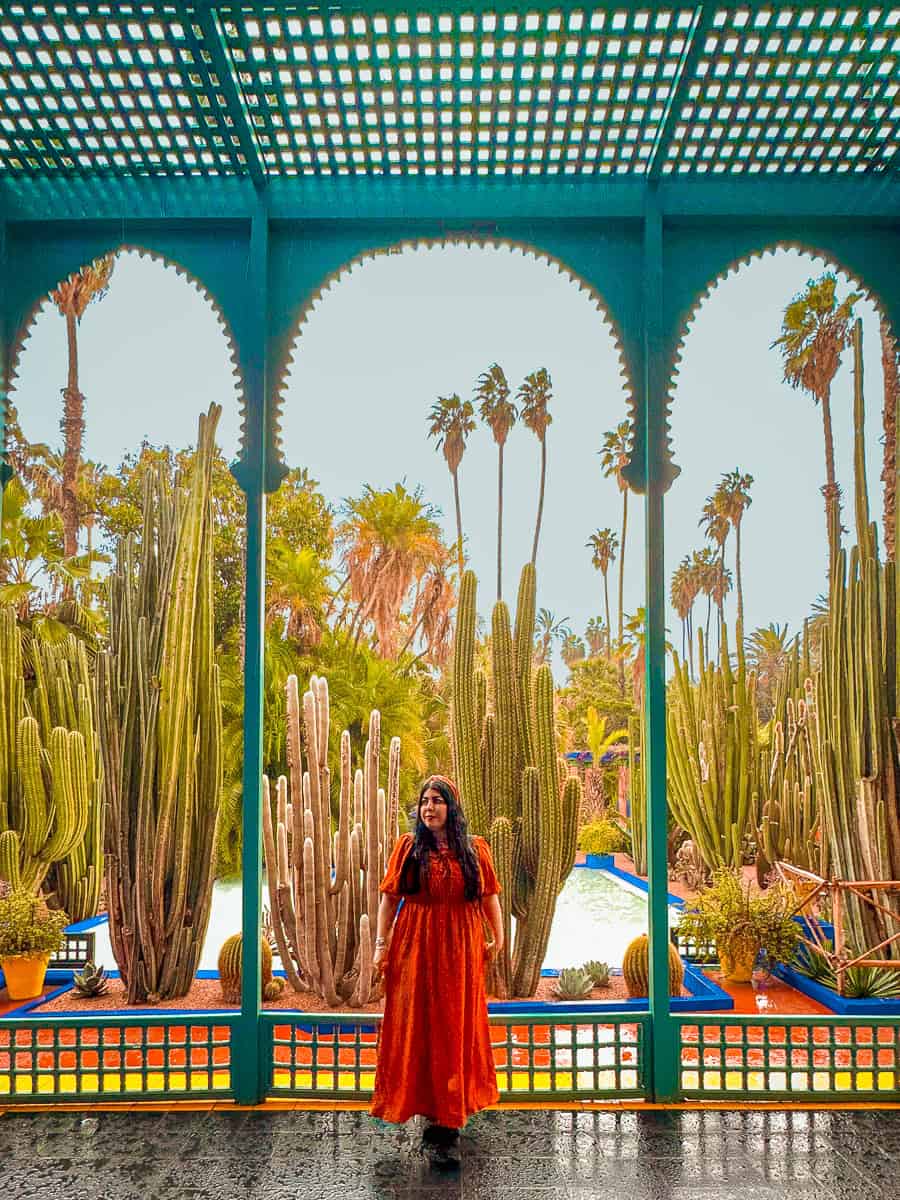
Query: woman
column 435, row 1050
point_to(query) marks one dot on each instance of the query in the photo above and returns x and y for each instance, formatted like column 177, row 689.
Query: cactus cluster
column 513, row 786
column 160, row 728
column 324, row 888
column 229, row 964
column 51, row 811
column 636, row 968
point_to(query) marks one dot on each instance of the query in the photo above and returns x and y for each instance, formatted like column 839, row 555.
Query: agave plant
column 598, row 972
column 574, row 983
column 90, row 981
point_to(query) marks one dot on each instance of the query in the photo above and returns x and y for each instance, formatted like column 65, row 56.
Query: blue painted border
column 635, row 880
column 871, row 1006
column 597, row 862
column 89, row 923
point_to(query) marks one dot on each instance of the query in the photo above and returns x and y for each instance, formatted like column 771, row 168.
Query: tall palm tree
column 389, row 540
column 451, row 422
column 705, row 565
column 498, row 411
column 431, row 614
column 733, row 499
column 534, row 395
column 717, row 527
column 71, row 299
column 768, row 650
column 722, row 583
column 603, row 544
column 597, row 636
column 815, row 330
column 682, row 596
column 613, row 460
column 548, row 630
column 889, row 425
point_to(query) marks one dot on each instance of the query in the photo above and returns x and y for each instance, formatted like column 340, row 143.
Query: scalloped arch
column 23, row 333
column 807, row 250
column 513, row 245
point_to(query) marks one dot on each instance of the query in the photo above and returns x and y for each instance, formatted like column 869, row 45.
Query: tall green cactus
column 507, row 766
column 51, row 812
column 789, row 825
column 714, row 759
column 324, row 888
column 160, row 727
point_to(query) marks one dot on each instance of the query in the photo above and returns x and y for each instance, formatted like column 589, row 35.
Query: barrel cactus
column 573, row 984
column 636, row 968
column 230, row 958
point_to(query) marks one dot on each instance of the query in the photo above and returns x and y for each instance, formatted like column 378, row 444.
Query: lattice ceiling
column 281, row 89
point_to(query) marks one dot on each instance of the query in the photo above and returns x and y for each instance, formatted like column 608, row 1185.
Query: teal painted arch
column 39, row 257
column 305, row 262
column 696, row 262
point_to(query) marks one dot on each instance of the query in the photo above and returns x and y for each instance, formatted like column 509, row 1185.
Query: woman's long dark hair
column 425, row 844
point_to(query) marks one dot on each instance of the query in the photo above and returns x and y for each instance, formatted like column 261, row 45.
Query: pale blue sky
column 403, row 329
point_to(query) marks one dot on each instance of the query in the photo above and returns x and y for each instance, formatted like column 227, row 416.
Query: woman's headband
column 447, row 782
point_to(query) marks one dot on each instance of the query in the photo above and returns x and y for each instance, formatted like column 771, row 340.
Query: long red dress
column 435, row 1055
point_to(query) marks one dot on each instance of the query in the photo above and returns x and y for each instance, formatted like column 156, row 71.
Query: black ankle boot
column 440, row 1135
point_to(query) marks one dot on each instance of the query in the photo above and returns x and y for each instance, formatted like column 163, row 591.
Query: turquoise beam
column 664, row 1046
column 248, row 1068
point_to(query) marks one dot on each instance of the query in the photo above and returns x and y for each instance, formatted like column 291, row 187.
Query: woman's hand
column 492, row 949
column 379, row 961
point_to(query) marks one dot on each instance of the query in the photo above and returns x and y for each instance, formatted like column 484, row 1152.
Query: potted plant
column 739, row 923
column 29, row 933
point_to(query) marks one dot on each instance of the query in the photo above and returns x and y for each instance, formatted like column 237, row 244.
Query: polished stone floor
column 504, row 1156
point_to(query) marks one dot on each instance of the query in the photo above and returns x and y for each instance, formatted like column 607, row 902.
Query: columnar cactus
column 714, row 760
column 51, row 812
column 507, row 765
column 324, row 888
column 230, row 963
column 160, row 727
column 789, row 823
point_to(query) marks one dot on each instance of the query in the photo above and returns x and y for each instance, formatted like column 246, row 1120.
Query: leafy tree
column 572, row 648
column 592, row 684
column 390, row 544
column 597, row 636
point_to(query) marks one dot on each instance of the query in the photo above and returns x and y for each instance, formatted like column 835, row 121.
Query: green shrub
column 28, row 927
column 602, row 837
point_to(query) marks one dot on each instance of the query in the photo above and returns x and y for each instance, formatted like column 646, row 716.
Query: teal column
column 663, row 1030
column 5, row 469
column 248, row 1067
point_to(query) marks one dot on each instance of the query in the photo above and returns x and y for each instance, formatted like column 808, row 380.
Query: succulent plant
column 90, row 981
column 574, row 983
column 598, row 971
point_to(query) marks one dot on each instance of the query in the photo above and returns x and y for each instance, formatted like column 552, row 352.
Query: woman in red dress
column 435, row 1055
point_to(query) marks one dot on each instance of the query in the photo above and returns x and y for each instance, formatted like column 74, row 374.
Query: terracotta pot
column 25, row 975
column 737, row 956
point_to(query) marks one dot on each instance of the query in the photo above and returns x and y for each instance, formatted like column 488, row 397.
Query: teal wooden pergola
column 265, row 147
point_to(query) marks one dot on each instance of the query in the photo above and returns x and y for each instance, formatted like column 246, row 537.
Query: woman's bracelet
column 380, row 943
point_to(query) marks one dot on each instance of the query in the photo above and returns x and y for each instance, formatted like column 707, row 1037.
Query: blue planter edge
column 871, row 1006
